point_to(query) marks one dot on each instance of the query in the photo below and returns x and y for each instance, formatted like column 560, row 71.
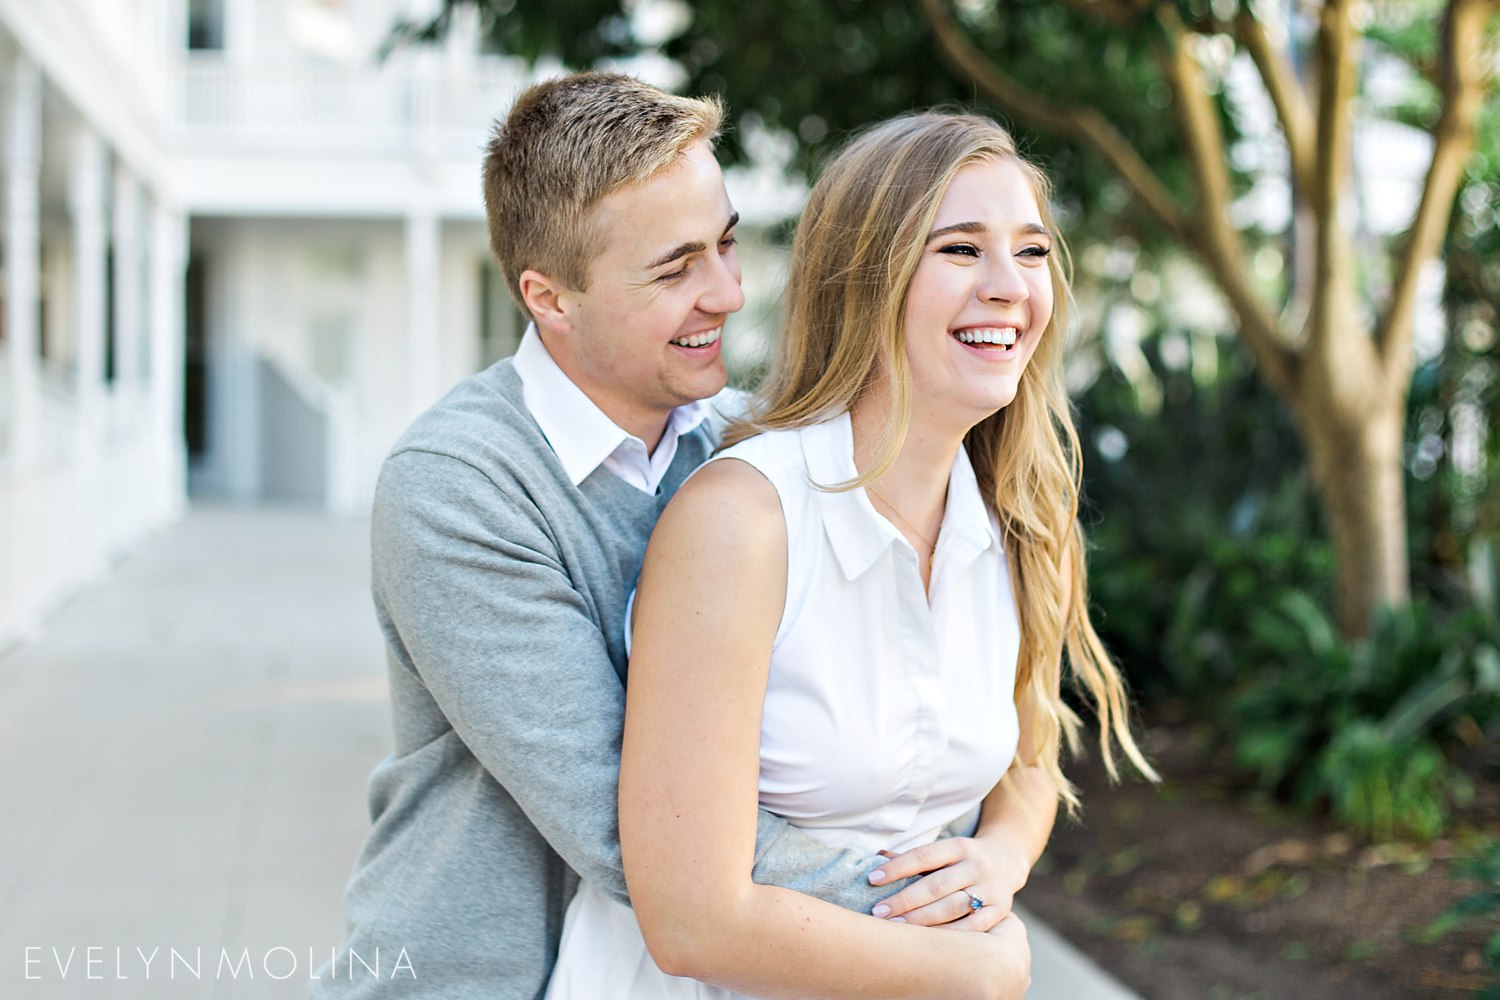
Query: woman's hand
column 1016, row 974
column 992, row 869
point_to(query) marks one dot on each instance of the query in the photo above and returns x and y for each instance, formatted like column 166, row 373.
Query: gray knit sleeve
column 506, row 648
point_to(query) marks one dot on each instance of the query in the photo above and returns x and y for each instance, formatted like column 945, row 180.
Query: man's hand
column 954, row 869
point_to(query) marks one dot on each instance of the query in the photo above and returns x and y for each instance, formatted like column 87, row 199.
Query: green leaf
column 1421, row 705
column 1476, row 904
column 1487, row 670
column 1318, row 628
column 1444, row 923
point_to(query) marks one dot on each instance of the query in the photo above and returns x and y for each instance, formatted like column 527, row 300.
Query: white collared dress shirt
column 584, row 437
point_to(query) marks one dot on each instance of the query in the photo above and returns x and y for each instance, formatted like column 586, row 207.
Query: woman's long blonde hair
column 859, row 241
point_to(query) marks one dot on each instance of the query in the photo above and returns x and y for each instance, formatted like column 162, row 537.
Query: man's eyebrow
column 1030, row 229
column 693, row 246
column 677, row 252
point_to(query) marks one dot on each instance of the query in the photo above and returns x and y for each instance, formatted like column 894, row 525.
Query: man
column 508, row 529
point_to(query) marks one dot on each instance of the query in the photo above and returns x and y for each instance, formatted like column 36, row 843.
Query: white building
column 239, row 253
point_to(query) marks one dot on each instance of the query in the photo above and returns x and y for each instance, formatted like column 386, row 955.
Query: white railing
column 58, row 407
column 310, row 432
column 393, row 108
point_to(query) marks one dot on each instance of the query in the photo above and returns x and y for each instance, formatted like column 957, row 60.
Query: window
column 206, row 24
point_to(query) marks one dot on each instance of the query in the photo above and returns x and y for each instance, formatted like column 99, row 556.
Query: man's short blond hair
column 566, row 144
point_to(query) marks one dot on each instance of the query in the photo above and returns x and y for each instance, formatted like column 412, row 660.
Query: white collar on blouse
column 859, row 534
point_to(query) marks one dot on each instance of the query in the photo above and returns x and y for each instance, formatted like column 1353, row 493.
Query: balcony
column 399, row 109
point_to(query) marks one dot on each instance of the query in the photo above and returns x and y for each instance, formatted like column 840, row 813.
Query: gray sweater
column 501, row 589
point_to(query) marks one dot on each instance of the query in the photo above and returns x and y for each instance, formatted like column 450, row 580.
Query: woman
column 854, row 616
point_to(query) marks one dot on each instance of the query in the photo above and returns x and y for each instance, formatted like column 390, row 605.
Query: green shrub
column 1382, row 788
column 1212, row 579
column 1363, row 726
column 1205, row 514
column 1480, row 906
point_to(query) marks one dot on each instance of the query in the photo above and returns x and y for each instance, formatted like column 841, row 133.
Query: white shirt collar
column 858, row 533
column 578, row 431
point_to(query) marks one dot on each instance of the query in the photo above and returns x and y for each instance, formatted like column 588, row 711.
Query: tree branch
column 1207, row 152
column 1462, row 73
column 1336, row 79
column 1086, row 125
column 1286, row 94
column 1198, row 128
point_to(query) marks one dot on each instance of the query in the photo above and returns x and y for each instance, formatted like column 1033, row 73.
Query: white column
column 127, row 243
column 423, row 238
column 168, row 43
column 22, row 246
column 168, row 286
column 88, row 180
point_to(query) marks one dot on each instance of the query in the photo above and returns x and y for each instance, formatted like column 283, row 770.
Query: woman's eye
column 961, row 250
column 1036, row 251
column 727, row 244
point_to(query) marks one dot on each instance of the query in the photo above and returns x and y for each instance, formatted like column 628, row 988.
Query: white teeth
column 699, row 339
column 1004, row 335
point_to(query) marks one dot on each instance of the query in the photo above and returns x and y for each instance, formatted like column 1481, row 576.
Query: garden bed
column 1198, row 890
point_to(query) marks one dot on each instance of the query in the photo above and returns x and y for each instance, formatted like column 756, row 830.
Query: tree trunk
column 1355, row 455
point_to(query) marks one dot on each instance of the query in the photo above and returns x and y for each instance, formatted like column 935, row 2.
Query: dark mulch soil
column 1195, row 890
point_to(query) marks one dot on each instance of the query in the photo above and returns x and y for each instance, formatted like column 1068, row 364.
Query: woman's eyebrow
column 1030, row 229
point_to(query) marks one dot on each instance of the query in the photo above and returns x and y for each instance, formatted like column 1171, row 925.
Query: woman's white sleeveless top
column 889, row 712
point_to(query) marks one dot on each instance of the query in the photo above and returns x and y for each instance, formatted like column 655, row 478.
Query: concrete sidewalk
column 183, row 755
